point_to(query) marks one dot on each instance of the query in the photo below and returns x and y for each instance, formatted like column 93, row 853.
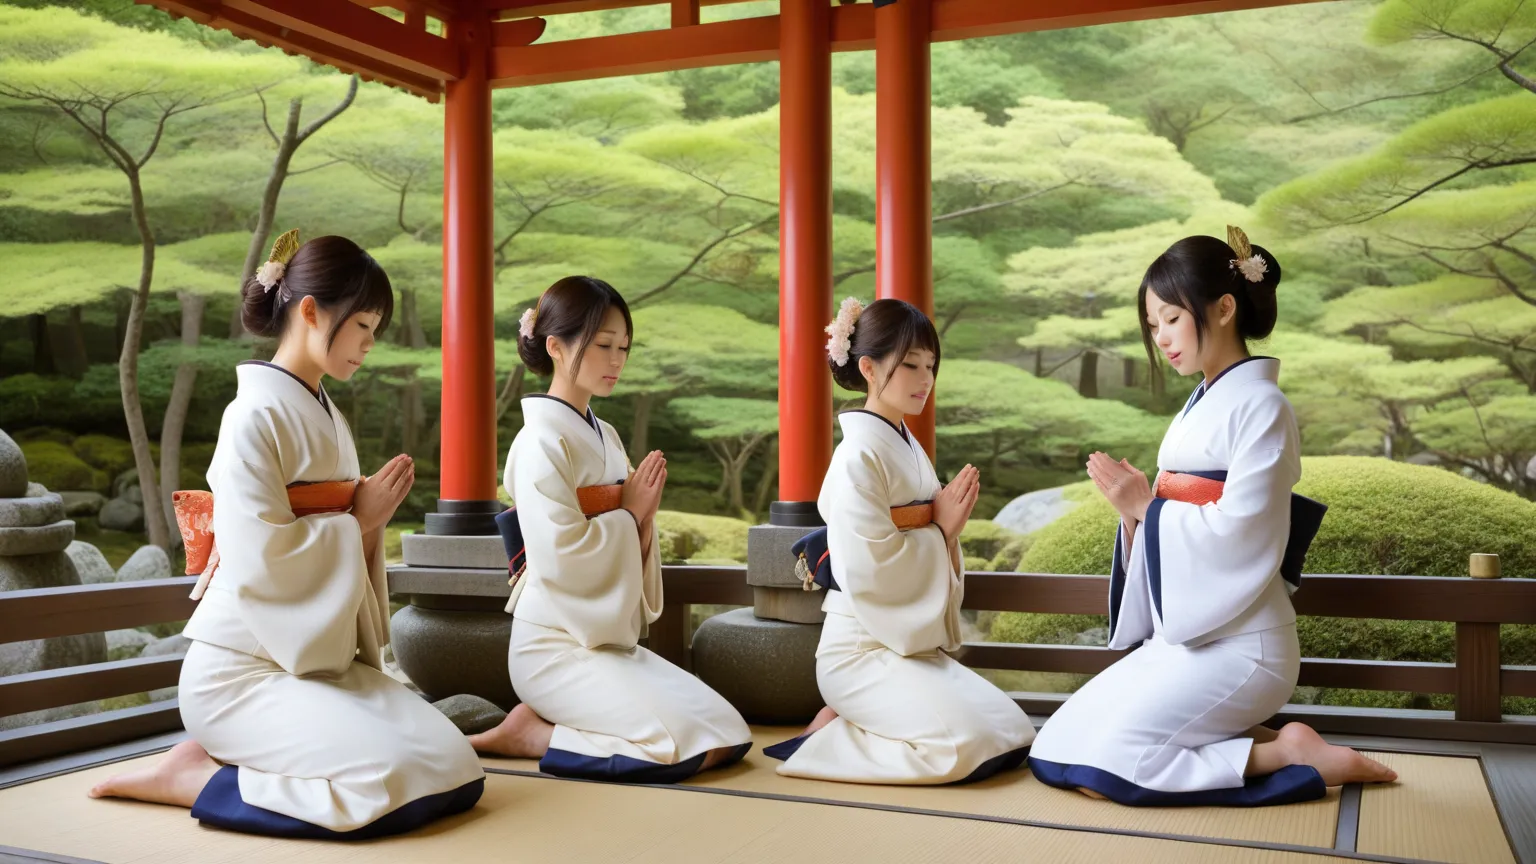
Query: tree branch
column 344, row 104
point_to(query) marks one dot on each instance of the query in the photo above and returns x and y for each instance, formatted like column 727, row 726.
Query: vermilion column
column 903, row 177
column 468, row 479
column 805, row 257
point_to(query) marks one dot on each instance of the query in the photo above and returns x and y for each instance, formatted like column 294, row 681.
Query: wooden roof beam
column 220, row 17
column 361, row 31
column 753, row 40
column 538, row 8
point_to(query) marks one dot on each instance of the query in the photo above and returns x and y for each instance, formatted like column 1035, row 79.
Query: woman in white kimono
column 594, row 703
column 1203, row 570
column 295, row 729
column 899, row 709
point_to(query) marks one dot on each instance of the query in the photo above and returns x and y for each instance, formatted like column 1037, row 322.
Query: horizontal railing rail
column 1476, row 606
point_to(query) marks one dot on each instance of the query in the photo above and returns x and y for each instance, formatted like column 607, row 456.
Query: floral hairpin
column 525, row 323
column 1247, row 262
column 840, row 331
column 276, row 265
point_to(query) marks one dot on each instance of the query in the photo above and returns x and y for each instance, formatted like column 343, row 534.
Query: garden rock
column 90, row 564
column 177, row 644
column 120, row 514
column 150, row 562
column 471, row 714
column 13, row 469
column 78, row 504
column 1029, row 513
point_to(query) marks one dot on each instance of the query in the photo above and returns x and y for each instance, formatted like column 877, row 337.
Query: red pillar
column 903, row 175
column 468, row 466
column 805, row 256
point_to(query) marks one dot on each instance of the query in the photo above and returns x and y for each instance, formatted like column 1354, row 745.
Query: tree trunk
column 128, row 377
column 192, row 306
column 1128, row 366
column 723, row 455
column 411, row 334
column 1088, row 375
column 769, row 483
column 290, row 141
column 42, row 346
column 510, row 394
column 286, row 145
column 411, row 411
column 69, row 351
column 639, row 439
column 1039, row 362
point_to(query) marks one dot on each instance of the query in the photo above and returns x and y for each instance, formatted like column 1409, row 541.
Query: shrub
column 57, row 467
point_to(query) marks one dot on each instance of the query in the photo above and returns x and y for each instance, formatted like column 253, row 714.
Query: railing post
column 1477, row 657
column 668, row 634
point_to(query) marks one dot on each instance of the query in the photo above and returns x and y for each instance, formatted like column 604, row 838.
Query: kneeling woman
column 1203, row 569
column 282, row 684
column 899, row 710
column 595, row 704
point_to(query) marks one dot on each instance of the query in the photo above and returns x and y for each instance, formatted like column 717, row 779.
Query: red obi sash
column 1188, row 488
column 194, row 516
column 814, row 545
column 593, row 500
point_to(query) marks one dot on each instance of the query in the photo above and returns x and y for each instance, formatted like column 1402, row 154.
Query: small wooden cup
column 1484, row 566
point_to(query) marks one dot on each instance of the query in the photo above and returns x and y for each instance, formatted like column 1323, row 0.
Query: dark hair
column 571, row 310
column 884, row 329
column 343, row 279
column 1198, row 271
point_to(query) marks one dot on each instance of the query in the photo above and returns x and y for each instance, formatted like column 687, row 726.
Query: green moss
column 983, row 538
column 112, row 455
column 57, row 467
column 699, row 539
column 44, row 433
column 1384, row 518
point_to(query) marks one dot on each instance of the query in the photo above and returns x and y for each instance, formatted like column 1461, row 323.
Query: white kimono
column 283, row 675
column 1199, row 588
column 908, row 713
column 620, row 711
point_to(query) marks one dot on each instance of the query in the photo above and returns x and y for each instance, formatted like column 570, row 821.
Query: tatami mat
column 533, row 820
column 1018, row 795
column 1439, row 810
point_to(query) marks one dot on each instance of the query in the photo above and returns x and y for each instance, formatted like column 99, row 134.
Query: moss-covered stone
column 1384, row 518
column 112, row 455
column 983, row 538
column 57, row 467
column 696, row 538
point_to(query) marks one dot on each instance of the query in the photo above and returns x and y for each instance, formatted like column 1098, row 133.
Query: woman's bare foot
column 1299, row 744
column 177, row 779
column 1092, row 794
column 523, row 735
column 716, row 756
column 823, row 717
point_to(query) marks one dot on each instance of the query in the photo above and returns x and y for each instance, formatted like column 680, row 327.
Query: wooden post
column 1477, row 657
column 903, row 169
column 805, row 258
column 468, row 469
column 668, row 635
column 685, row 13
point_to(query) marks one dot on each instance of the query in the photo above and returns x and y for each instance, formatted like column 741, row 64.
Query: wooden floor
column 1441, row 810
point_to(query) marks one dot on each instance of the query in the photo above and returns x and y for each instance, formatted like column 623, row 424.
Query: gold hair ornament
column 283, row 250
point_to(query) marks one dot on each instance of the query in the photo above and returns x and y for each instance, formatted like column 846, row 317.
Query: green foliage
column 112, row 455
column 57, row 467
column 695, row 538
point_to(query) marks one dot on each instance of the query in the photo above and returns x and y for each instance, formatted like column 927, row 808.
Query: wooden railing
column 1477, row 606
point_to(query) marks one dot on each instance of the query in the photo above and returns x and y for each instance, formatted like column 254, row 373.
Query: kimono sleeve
column 1207, row 564
column 903, row 585
column 298, row 582
column 591, row 569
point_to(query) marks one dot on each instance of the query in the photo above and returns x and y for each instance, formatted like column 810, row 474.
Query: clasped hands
column 1122, row 485
column 642, row 495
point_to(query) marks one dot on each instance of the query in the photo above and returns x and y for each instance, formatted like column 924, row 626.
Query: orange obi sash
column 194, row 516
column 593, row 500
column 814, row 546
column 1188, row 488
